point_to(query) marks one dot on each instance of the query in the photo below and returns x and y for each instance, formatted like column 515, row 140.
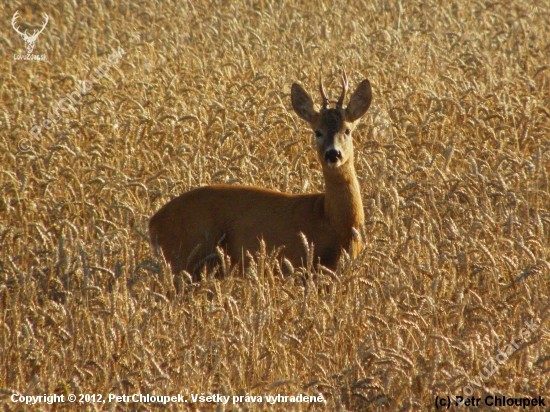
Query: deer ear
column 302, row 103
column 359, row 102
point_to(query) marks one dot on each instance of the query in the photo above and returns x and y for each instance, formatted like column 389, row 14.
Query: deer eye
column 348, row 131
column 318, row 134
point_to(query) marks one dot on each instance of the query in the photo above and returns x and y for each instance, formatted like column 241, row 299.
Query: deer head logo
column 29, row 40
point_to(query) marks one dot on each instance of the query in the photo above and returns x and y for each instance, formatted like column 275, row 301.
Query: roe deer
column 236, row 218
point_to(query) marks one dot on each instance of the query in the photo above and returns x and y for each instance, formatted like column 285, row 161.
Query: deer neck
column 343, row 203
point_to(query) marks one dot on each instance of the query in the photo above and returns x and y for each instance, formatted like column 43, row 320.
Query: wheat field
column 453, row 160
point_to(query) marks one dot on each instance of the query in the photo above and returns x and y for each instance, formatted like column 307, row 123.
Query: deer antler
column 46, row 20
column 37, row 32
column 25, row 35
column 345, row 86
column 13, row 21
column 323, row 94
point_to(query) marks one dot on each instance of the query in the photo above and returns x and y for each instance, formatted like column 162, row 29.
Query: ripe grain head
column 453, row 163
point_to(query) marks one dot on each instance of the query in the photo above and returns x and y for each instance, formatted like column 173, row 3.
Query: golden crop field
column 450, row 295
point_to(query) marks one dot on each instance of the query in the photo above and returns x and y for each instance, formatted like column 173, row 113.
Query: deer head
column 333, row 126
column 29, row 40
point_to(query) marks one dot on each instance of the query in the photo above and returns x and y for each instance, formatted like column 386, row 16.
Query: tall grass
column 453, row 161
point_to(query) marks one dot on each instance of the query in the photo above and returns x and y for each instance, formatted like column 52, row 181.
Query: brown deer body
column 188, row 228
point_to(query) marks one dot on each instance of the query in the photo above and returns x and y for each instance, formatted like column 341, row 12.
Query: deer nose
column 333, row 155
